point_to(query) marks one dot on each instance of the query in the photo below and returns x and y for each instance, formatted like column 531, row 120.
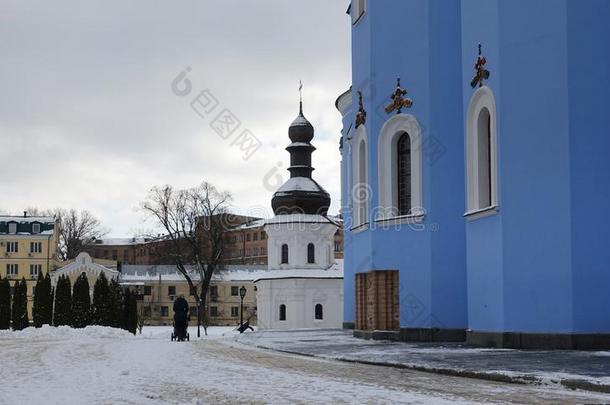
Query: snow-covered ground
column 108, row 366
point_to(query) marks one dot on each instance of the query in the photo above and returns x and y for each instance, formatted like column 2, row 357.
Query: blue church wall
column 538, row 263
column 430, row 256
column 533, row 191
column 589, row 95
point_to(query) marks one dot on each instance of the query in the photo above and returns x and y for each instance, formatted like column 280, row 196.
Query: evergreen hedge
column 5, row 303
column 81, row 303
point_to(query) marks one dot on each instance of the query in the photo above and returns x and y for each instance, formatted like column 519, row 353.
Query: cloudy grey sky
column 88, row 119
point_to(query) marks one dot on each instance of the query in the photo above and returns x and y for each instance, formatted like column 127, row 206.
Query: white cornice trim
column 344, row 102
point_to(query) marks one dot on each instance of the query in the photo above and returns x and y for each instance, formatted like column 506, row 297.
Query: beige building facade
column 28, row 246
column 158, row 286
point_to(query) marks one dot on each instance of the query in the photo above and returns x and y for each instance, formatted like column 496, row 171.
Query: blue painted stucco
column 541, row 262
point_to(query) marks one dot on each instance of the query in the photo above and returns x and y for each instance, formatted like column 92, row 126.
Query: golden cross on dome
column 300, row 91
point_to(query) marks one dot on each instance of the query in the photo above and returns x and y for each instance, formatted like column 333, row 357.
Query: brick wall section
column 377, row 302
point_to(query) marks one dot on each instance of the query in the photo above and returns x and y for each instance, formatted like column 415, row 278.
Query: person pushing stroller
column 181, row 318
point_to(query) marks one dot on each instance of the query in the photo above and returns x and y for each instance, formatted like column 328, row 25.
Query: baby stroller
column 181, row 321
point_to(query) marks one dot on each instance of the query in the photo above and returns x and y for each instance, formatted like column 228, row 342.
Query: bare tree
column 78, row 231
column 194, row 221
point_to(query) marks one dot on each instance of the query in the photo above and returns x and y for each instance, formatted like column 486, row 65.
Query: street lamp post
column 242, row 294
column 199, row 318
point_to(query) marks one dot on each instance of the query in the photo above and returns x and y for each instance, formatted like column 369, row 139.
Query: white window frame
column 360, row 193
column 483, row 98
column 387, row 159
column 36, row 228
column 35, row 269
column 12, row 228
column 35, row 247
column 12, row 247
column 12, row 269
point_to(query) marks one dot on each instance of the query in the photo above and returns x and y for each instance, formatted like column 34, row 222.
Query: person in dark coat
column 181, row 309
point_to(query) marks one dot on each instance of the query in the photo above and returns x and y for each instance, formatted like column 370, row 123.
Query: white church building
column 304, row 285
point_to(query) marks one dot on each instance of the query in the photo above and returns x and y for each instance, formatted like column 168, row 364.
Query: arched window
column 484, row 158
column 311, row 253
column 319, row 312
column 284, row 254
column 481, row 160
column 360, row 192
column 400, row 168
column 282, row 312
column 403, row 169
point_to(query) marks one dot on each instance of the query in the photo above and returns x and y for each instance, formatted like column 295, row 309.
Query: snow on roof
column 300, row 120
column 299, row 218
column 135, row 273
column 254, row 224
column 120, row 241
column 334, row 272
column 299, row 184
column 24, row 220
column 83, row 263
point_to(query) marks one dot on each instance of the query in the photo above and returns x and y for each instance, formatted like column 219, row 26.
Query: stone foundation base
column 349, row 325
column 538, row 341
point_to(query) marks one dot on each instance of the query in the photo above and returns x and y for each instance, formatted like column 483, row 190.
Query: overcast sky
column 88, row 118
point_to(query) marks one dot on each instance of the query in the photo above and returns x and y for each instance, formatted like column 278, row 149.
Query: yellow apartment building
column 28, row 246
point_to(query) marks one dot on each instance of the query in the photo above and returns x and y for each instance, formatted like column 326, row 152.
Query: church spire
column 301, row 194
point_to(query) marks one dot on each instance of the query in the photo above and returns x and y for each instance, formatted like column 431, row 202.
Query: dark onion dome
column 300, row 194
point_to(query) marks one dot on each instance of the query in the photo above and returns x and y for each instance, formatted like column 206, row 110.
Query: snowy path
column 113, row 368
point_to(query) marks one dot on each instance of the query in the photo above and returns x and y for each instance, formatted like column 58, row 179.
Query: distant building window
column 12, row 247
column 311, row 253
column 147, row 290
column 35, row 228
column 255, row 236
column 262, row 235
column 12, row 269
column 284, row 254
column 357, row 10
column 164, row 311
column 146, row 312
column 255, row 251
column 35, row 269
column 35, row 247
column 214, row 311
column 337, row 247
column 171, row 290
column 282, row 312
column 12, row 228
column 248, row 237
column 319, row 312
column 234, row 291
column 234, row 312
column 115, row 254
